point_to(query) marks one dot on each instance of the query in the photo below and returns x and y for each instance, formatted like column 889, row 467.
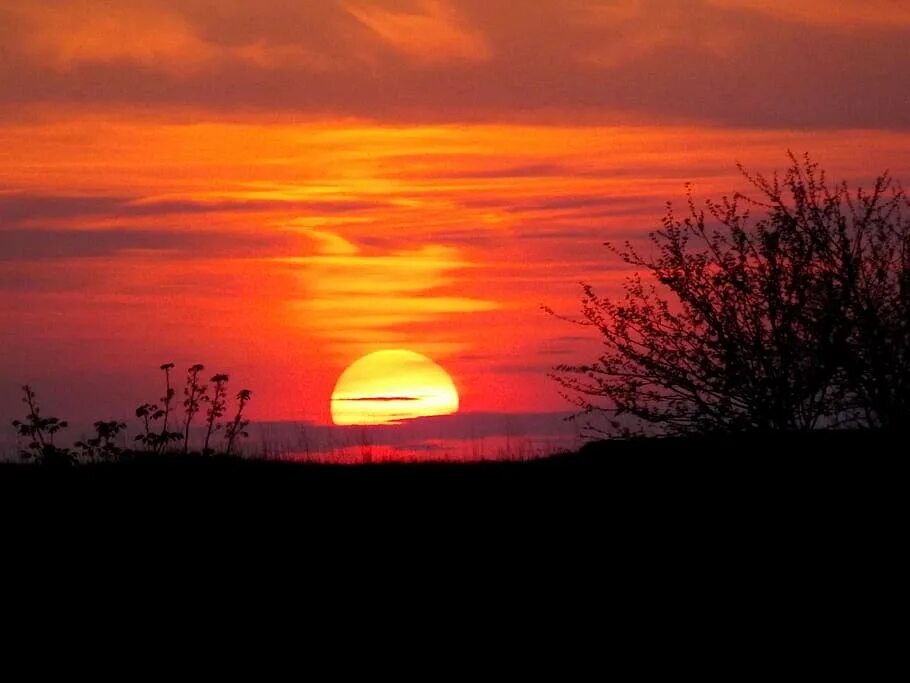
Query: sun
column 386, row 387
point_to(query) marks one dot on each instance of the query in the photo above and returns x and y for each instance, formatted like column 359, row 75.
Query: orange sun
column 387, row 387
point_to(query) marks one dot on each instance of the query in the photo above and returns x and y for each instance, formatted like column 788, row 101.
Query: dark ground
column 737, row 554
column 753, row 475
column 662, row 512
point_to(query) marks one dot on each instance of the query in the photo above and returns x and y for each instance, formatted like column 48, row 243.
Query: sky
column 275, row 189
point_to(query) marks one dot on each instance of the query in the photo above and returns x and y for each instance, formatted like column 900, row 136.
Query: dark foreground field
column 757, row 472
column 639, row 535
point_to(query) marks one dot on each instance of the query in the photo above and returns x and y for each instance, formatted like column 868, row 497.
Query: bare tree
column 792, row 321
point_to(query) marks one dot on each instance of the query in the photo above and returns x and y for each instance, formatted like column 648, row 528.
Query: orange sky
column 275, row 189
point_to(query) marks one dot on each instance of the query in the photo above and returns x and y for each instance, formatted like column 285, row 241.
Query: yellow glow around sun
column 387, row 387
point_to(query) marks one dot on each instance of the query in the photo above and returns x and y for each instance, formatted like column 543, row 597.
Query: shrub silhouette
column 236, row 428
column 103, row 445
column 157, row 441
column 40, row 431
column 148, row 413
column 795, row 321
column 165, row 436
column 194, row 394
column 217, row 405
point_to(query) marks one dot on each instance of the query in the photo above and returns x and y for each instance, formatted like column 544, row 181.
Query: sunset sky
column 275, row 189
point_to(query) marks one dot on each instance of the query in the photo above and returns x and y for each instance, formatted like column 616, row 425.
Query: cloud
column 151, row 35
column 431, row 31
column 353, row 297
column 621, row 202
column 23, row 208
column 18, row 208
column 640, row 28
column 463, row 425
column 540, row 170
column 380, row 398
column 66, row 35
column 741, row 63
column 843, row 14
column 37, row 244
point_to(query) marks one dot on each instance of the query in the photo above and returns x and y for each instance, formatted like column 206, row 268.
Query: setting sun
column 387, row 387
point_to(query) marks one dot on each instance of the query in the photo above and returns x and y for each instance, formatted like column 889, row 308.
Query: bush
column 794, row 321
column 40, row 431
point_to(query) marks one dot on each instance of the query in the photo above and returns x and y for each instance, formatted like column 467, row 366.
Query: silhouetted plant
column 40, row 432
column 217, row 404
column 165, row 437
column 236, row 428
column 157, row 440
column 104, row 444
column 798, row 320
column 194, row 394
column 148, row 413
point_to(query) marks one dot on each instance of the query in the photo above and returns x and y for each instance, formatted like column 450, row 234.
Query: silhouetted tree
column 797, row 320
column 878, row 264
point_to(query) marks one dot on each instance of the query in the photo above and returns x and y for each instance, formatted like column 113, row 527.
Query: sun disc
column 386, row 387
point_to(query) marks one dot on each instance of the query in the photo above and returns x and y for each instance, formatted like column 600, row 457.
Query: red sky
column 275, row 189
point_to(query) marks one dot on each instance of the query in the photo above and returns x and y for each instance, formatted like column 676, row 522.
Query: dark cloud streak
column 18, row 209
column 53, row 244
column 378, row 398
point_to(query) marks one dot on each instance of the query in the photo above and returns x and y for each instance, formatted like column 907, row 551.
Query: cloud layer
column 735, row 63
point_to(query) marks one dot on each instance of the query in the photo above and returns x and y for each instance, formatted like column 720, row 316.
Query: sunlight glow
column 386, row 387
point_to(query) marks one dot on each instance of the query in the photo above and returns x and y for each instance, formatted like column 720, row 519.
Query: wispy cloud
column 845, row 15
column 154, row 36
column 36, row 209
column 352, row 298
column 429, row 31
column 38, row 244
